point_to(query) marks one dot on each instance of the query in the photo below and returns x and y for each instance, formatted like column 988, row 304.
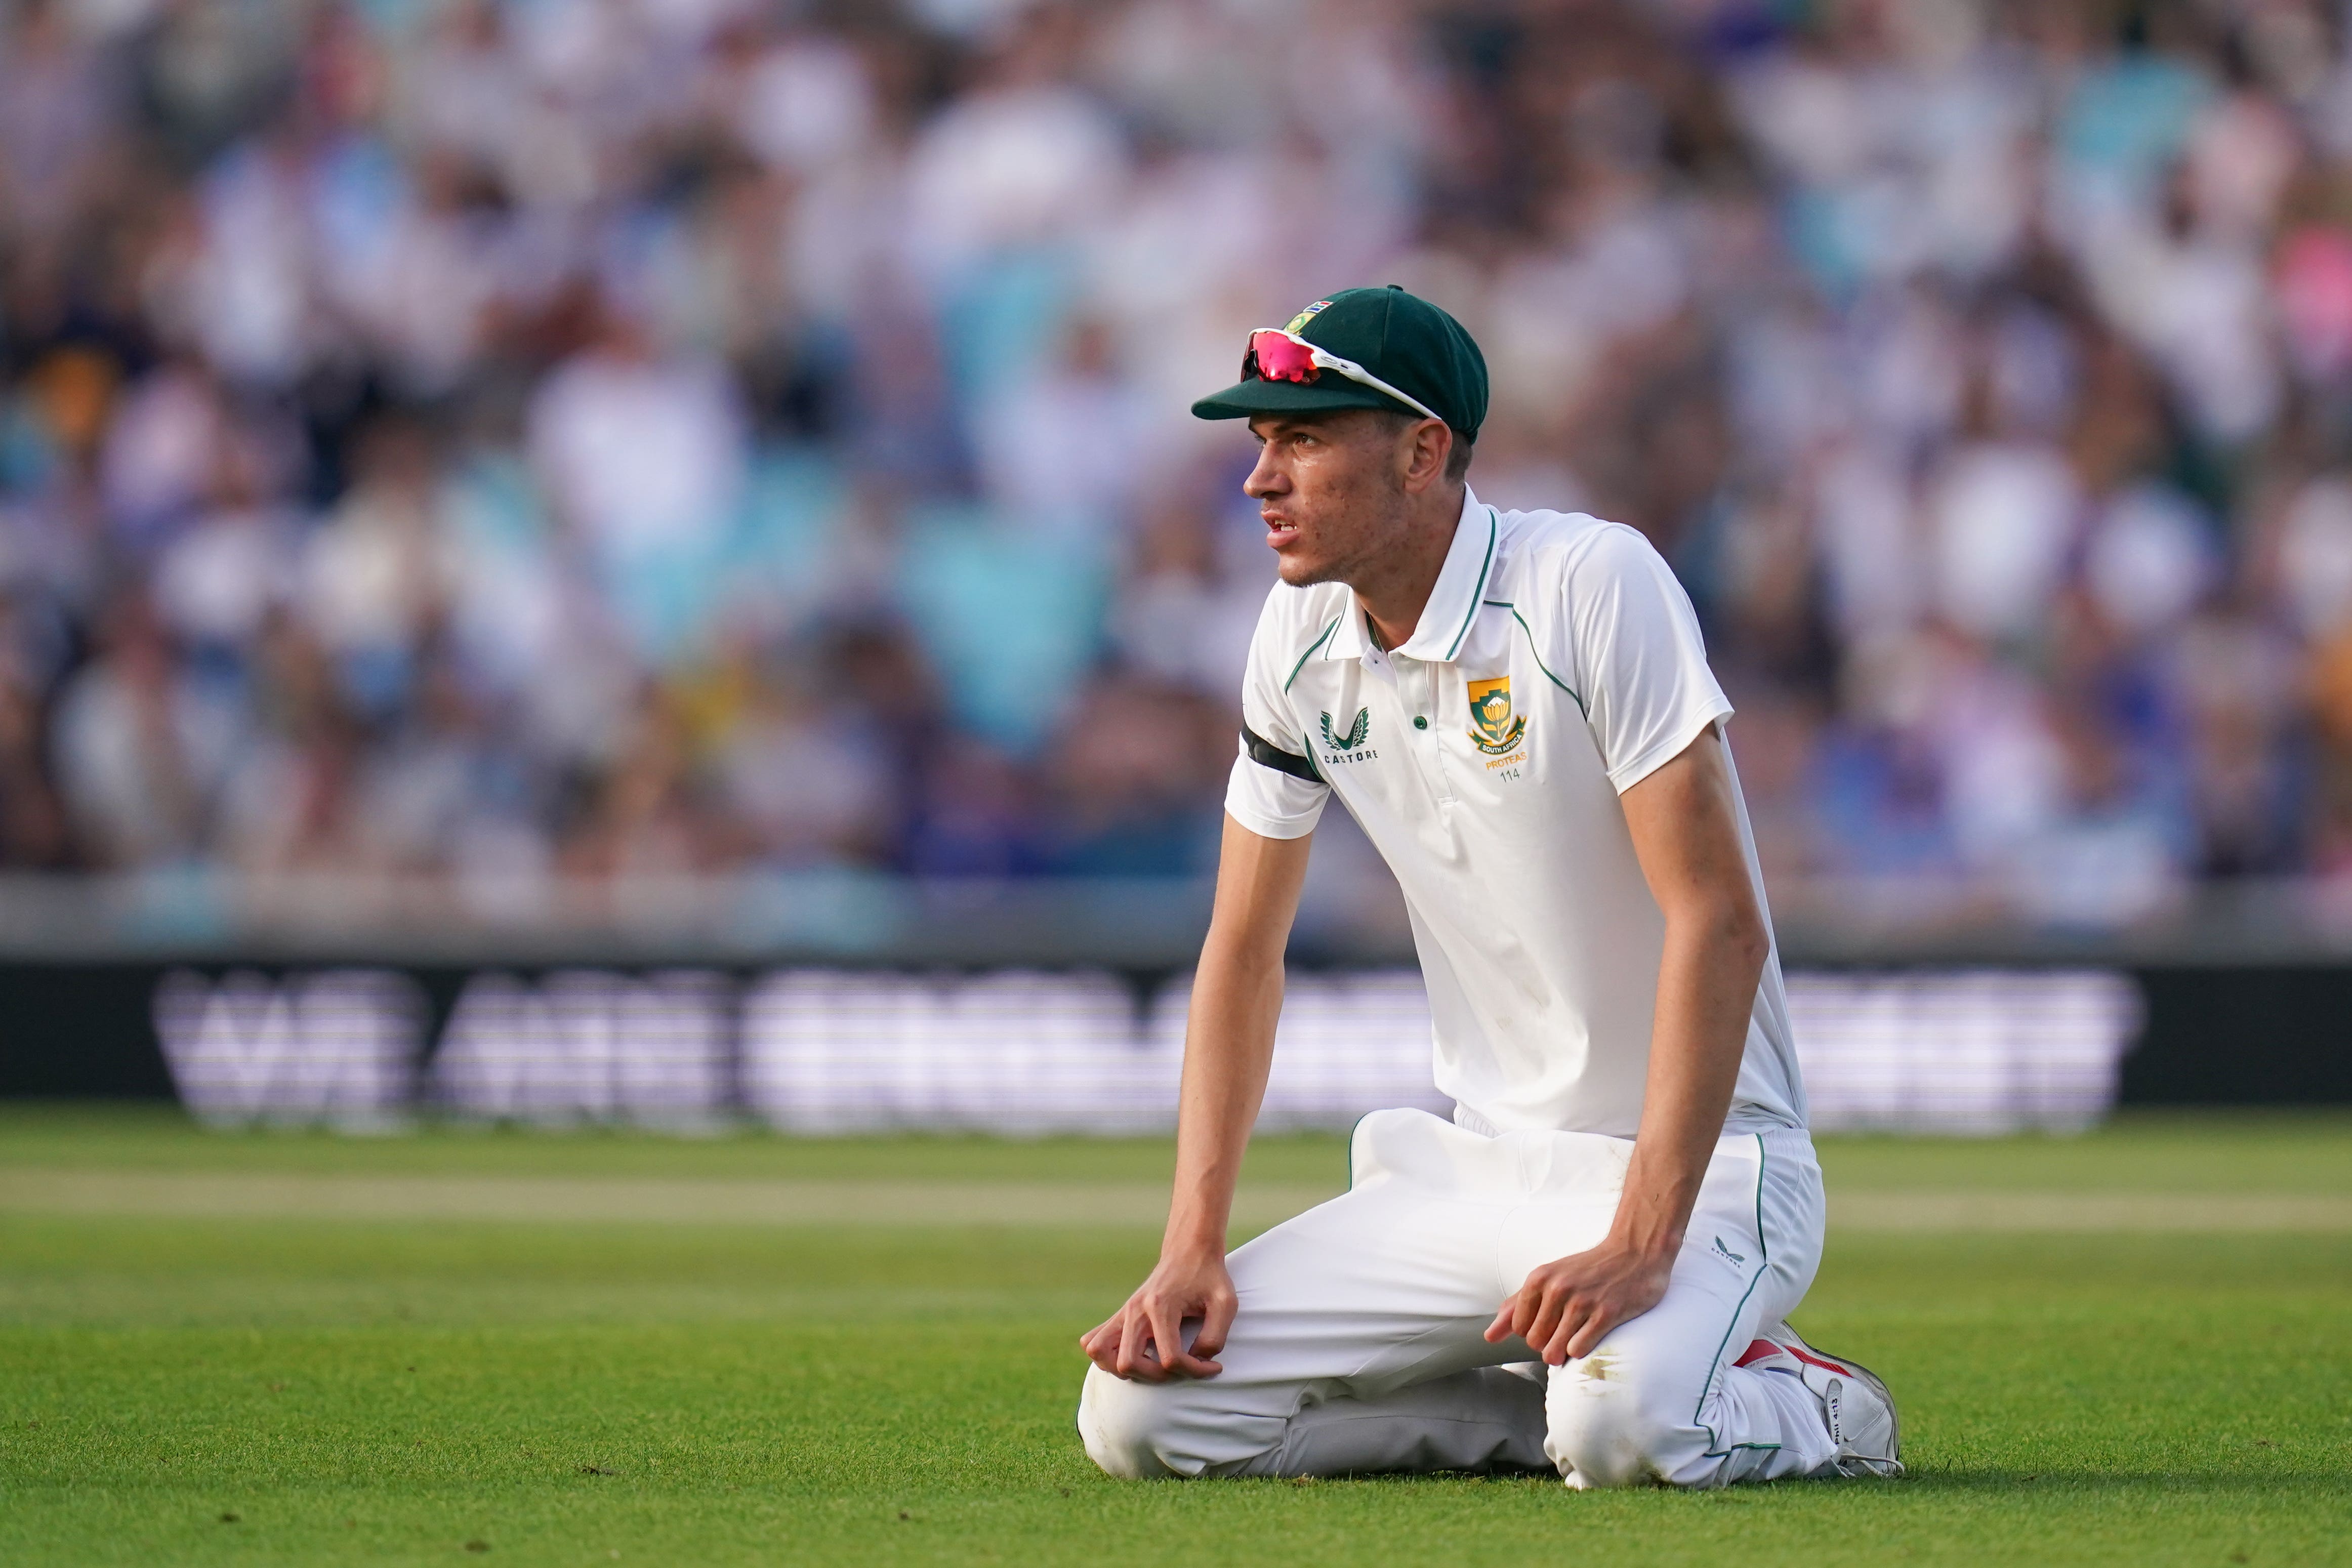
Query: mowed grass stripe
column 2084, row 1214
column 881, row 1203
column 532, row 1199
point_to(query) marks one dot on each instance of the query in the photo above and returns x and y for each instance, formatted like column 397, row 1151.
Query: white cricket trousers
column 1359, row 1344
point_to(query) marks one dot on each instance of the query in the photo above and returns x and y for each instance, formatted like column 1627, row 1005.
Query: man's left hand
column 1566, row 1307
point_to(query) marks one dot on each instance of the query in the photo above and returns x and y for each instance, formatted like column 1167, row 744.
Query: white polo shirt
column 1557, row 665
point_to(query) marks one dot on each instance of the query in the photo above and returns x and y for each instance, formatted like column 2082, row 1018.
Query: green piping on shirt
column 1535, row 654
column 1303, row 658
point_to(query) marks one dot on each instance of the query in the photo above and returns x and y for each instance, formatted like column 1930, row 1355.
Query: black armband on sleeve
column 1265, row 753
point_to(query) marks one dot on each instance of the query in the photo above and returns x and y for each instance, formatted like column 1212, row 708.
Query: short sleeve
column 1640, row 661
column 1266, row 800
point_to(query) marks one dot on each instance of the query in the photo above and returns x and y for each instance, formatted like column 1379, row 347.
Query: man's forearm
column 1229, row 1036
column 1228, row 1049
column 1706, row 990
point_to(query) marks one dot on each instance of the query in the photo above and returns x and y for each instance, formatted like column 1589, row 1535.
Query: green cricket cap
column 1401, row 338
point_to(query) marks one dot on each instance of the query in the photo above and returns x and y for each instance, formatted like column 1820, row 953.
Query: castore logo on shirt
column 1350, row 747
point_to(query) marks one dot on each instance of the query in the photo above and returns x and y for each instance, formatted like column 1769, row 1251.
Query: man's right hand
column 1143, row 1339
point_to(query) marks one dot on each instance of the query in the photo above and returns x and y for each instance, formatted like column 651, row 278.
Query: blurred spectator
column 144, row 744
column 1134, row 767
column 483, row 441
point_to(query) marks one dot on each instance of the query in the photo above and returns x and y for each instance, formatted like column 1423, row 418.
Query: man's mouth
column 1279, row 532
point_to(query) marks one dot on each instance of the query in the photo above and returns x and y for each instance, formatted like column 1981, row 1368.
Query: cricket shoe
column 1863, row 1423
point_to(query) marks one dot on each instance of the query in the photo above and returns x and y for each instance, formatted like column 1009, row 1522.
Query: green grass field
column 2128, row 1347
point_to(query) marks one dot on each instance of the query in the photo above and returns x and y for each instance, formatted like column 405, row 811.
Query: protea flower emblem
column 1493, row 728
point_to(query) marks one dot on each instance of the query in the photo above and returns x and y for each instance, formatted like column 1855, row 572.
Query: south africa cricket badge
column 1493, row 728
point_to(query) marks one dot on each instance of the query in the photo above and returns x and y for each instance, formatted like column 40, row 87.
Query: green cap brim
column 1246, row 399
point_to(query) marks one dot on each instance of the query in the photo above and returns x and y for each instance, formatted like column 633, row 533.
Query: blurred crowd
column 505, row 439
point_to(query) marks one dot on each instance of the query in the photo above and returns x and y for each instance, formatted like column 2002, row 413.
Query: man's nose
column 1265, row 479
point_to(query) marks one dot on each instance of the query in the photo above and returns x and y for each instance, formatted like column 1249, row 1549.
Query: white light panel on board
column 1028, row 1052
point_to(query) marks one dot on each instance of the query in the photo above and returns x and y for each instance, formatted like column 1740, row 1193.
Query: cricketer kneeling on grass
column 1593, row 1265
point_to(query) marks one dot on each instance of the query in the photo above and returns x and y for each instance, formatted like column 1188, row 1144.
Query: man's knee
column 1605, row 1428
column 1125, row 1425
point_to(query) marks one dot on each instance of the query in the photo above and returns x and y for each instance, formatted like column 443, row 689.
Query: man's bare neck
column 1395, row 589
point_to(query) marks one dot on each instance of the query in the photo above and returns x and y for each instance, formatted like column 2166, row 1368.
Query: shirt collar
column 1453, row 602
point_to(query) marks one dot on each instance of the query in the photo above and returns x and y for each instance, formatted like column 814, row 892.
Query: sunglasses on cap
column 1277, row 355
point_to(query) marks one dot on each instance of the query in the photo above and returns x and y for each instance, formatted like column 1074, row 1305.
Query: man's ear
column 1430, row 442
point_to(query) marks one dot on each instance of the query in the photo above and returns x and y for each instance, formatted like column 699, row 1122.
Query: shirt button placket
column 1416, row 686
